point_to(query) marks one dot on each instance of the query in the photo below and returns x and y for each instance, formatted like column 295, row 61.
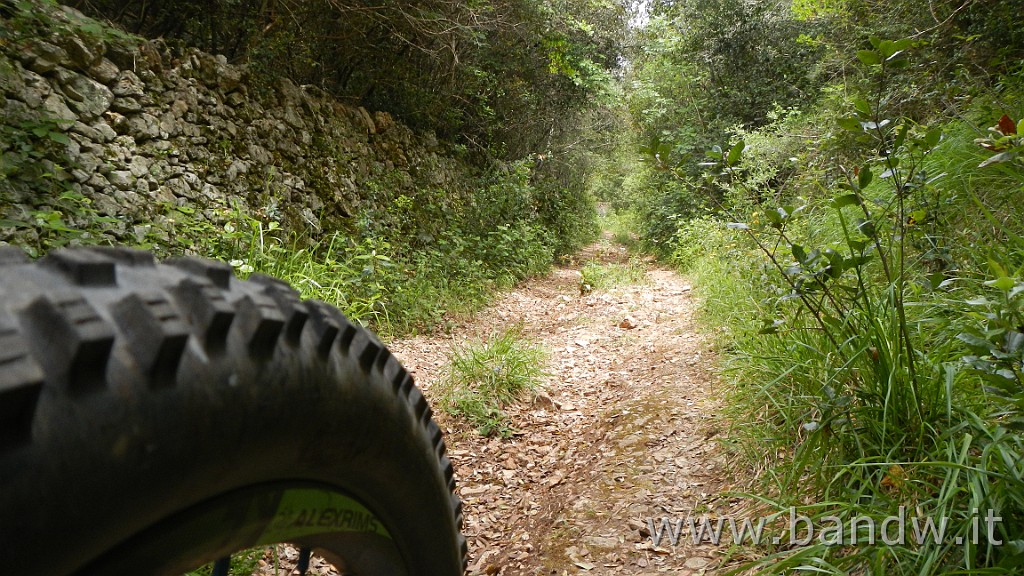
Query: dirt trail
column 622, row 432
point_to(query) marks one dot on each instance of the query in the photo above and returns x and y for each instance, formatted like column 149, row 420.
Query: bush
column 872, row 330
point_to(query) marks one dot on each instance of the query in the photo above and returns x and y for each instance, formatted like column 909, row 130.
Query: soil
column 623, row 431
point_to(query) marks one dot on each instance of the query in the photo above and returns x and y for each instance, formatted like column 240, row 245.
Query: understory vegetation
column 521, row 122
column 482, row 378
column 841, row 179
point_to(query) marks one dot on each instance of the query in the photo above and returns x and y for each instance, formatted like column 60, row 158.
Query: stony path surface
column 622, row 432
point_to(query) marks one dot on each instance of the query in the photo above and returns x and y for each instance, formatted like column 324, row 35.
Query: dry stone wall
column 142, row 130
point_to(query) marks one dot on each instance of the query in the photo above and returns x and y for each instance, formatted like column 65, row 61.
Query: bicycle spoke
column 303, row 563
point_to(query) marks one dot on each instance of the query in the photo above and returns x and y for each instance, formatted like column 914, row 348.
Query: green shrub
column 871, row 330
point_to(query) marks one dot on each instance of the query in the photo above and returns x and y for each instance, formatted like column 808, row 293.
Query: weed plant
column 482, row 378
column 597, row 276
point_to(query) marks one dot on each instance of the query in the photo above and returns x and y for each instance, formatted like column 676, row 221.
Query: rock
column 237, row 167
column 179, row 187
column 11, row 81
column 121, row 179
column 139, row 166
column 126, row 105
column 601, row 541
column 83, row 52
column 123, row 55
column 42, row 57
column 58, row 110
column 88, row 162
column 128, row 84
column 105, row 131
column 86, row 131
column 104, row 71
column 696, row 563
column 88, row 97
column 142, row 127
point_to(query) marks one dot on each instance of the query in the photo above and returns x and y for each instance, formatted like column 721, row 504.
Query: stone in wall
column 138, row 127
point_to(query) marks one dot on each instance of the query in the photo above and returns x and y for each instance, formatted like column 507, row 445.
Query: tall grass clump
column 482, row 378
column 874, row 332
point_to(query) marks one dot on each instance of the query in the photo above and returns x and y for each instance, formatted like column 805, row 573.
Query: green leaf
column 886, row 48
column 997, row 268
column 869, row 57
column 735, row 153
column 862, row 106
column 845, row 200
column 865, row 177
column 935, row 280
column 850, row 123
column 903, row 44
column 1004, row 283
column 932, row 137
column 901, row 136
column 866, row 227
column 898, row 63
column 976, row 343
column 799, row 253
column 772, row 327
column 58, row 137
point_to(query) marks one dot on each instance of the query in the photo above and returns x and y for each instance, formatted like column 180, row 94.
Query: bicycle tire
column 156, row 416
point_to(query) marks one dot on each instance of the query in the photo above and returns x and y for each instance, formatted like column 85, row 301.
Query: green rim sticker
column 307, row 511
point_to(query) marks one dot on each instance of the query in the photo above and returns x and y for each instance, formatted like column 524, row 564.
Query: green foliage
column 483, row 378
column 496, row 76
column 870, row 321
column 243, row 563
column 597, row 276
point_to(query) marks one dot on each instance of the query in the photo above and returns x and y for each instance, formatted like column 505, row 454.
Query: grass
column 484, row 377
column 836, row 417
column 244, row 563
column 622, row 225
column 597, row 276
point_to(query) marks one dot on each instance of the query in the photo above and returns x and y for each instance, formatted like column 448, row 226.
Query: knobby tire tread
column 95, row 343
